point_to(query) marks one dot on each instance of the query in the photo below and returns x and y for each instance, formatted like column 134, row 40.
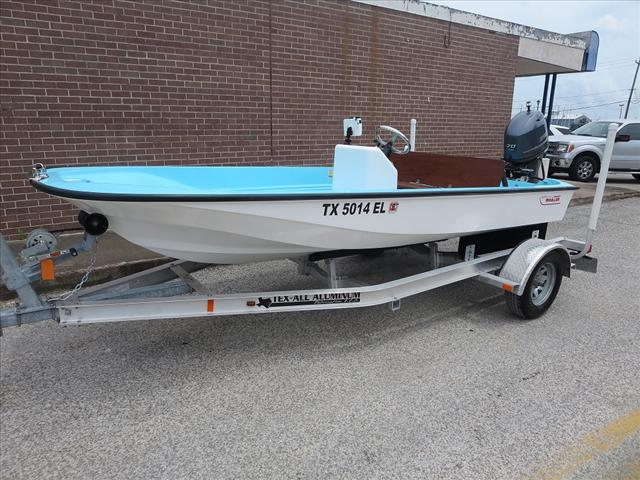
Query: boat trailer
column 530, row 273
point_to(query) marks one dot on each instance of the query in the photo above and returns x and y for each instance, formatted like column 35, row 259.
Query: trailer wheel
column 541, row 289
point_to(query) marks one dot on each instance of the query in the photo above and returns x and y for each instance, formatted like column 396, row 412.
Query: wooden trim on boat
column 425, row 169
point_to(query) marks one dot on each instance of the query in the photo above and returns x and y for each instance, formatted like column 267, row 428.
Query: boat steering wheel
column 389, row 147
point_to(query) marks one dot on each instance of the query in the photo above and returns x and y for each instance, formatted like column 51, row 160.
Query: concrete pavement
column 618, row 186
column 450, row 386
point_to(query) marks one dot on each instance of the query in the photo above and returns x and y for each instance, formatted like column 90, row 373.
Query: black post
column 551, row 95
column 633, row 86
column 544, row 95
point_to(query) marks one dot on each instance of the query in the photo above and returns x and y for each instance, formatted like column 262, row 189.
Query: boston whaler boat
column 371, row 198
column 379, row 198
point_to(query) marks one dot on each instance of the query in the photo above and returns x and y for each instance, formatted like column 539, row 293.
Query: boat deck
column 136, row 183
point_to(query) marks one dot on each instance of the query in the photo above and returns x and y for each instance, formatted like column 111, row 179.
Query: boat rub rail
column 427, row 192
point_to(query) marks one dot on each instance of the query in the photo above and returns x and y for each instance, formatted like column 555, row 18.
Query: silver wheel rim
column 585, row 169
column 543, row 283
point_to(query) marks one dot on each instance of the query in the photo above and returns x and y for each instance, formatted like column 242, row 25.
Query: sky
column 617, row 24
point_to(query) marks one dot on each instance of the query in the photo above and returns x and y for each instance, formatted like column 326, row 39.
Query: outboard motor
column 525, row 142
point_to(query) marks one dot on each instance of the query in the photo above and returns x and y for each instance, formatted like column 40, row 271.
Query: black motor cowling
column 526, row 138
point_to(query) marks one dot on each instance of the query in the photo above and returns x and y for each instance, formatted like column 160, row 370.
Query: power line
column 583, row 107
column 594, row 94
column 633, row 86
column 620, row 60
column 587, row 105
column 611, row 65
column 614, row 67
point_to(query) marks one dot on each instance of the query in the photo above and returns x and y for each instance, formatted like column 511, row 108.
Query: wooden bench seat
column 424, row 170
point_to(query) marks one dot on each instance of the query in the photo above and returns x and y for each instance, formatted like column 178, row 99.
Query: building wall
column 254, row 81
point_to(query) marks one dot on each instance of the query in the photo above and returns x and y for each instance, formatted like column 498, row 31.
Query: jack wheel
column 541, row 289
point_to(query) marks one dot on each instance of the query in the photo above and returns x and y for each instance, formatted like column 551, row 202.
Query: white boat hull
column 248, row 231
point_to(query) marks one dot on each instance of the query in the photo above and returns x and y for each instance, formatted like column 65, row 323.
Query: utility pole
column 633, row 86
column 620, row 105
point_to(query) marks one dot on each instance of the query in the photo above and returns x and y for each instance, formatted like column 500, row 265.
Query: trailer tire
column 541, row 289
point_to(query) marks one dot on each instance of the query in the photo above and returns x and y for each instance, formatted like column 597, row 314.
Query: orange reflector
column 210, row 305
column 251, row 303
column 507, row 287
column 47, row 269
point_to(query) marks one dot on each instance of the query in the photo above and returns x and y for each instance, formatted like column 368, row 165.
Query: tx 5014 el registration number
column 358, row 208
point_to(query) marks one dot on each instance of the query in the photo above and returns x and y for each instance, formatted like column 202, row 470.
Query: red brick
column 146, row 83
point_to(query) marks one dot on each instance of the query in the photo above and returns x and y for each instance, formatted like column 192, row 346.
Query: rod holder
column 412, row 134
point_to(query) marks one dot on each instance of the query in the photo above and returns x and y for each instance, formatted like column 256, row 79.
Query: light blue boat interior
column 233, row 180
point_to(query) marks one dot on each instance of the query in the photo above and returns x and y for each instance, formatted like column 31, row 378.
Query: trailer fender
column 524, row 258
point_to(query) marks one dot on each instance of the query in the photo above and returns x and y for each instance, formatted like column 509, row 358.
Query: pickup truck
column 580, row 152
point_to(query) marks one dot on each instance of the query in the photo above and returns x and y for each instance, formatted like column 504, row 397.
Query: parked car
column 580, row 152
column 559, row 130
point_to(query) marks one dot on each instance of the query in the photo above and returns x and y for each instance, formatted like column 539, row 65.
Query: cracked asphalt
column 450, row 386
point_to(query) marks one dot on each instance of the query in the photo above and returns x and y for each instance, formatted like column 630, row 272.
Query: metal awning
column 540, row 52
column 540, row 56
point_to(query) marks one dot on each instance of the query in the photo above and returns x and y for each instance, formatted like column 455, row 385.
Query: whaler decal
column 550, row 200
column 307, row 299
column 358, row 208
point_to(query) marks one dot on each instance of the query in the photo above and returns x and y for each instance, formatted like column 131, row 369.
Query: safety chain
column 84, row 278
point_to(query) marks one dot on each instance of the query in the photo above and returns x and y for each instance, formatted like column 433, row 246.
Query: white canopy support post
column 412, row 134
column 597, row 199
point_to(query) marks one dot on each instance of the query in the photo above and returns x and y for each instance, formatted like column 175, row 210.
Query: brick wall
column 151, row 82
